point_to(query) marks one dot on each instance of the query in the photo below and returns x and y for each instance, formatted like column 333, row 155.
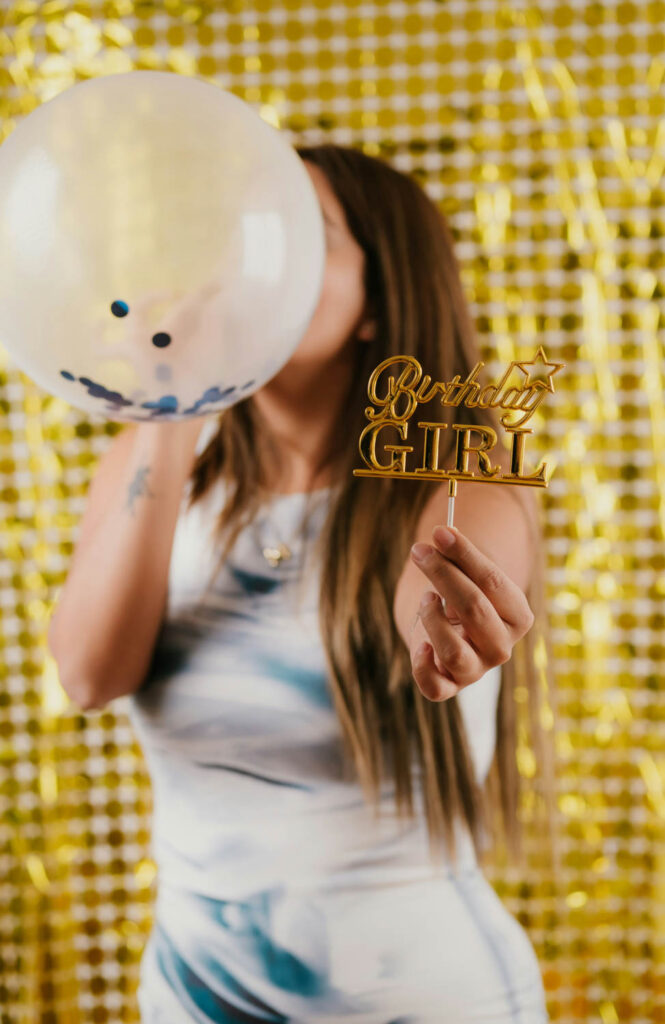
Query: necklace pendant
column 276, row 555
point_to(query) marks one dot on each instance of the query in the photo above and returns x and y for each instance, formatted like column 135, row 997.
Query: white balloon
column 162, row 247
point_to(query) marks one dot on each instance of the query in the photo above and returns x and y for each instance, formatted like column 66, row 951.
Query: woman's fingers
column 489, row 611
column 506, row 597
column 485, row 629
column 429, row 674
column 456, row 655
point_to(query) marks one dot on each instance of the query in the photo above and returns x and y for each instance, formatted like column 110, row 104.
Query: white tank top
column 240, row 734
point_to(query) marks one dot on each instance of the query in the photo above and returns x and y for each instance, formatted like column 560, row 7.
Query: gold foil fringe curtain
column 540, row 131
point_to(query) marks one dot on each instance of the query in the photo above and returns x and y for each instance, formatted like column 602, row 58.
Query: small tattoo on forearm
column 138, row 487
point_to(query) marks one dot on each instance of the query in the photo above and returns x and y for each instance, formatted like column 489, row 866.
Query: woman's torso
column 239, row 730
column 264, row 847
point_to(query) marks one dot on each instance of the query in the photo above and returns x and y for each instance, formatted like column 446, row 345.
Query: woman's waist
column 346, row 848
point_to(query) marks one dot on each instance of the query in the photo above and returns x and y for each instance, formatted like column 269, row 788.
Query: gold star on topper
column 539, row 375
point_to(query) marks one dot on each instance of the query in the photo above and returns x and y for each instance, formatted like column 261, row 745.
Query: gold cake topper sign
column 405, row 392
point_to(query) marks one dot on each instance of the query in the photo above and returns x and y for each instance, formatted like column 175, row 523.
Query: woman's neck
column 302, row 408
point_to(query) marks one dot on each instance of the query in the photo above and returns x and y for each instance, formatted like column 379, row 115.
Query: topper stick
column 452, row 491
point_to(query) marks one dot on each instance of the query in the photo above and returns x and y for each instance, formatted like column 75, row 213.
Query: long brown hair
column 413, row 284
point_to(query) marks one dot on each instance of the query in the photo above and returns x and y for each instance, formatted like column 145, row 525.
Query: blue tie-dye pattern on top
column 281, row 897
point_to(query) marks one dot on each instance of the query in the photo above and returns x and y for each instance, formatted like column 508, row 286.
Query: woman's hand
column 485, row 614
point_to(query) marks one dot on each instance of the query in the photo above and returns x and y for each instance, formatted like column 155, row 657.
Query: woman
column 317, row 771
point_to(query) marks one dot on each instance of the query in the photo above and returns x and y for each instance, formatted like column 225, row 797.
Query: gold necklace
column 280, row 552
column 276, row 555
